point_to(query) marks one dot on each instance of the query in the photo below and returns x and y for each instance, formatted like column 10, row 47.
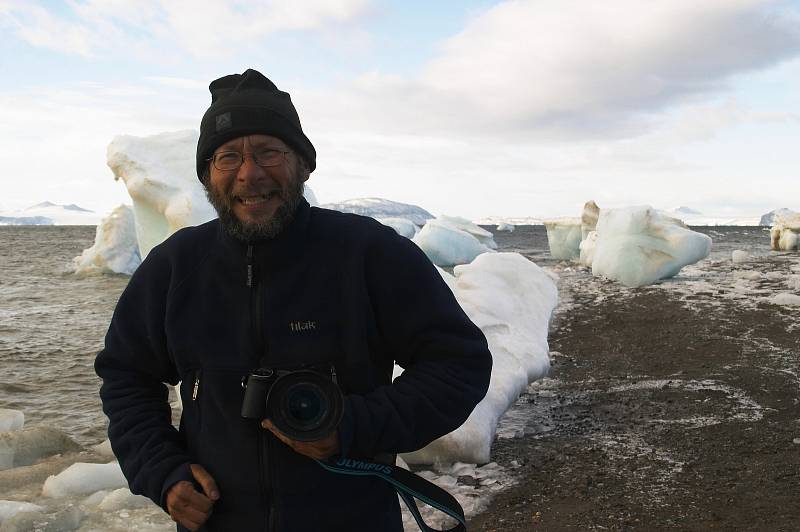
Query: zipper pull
column 196, row 385
column 249, row 265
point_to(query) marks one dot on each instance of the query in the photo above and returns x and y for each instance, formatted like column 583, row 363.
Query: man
column 274, row 283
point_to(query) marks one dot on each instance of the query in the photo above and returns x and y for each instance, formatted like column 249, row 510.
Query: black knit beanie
column 247, row 104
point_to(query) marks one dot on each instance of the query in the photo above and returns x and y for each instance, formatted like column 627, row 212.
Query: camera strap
column 408, row 485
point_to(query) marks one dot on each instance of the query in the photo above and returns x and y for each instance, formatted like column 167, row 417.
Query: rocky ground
column 663, row 411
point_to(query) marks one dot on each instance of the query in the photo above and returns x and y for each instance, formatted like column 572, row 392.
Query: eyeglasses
column 232, row 160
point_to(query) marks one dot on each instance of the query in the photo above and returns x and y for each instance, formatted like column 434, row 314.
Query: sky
column 520, row 108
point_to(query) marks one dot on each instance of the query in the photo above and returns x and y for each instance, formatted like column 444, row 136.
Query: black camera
column 306, row 404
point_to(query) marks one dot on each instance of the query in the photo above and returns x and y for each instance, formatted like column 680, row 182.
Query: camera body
column 305, row 403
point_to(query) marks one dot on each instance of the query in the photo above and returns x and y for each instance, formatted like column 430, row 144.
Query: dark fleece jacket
column 196, row 313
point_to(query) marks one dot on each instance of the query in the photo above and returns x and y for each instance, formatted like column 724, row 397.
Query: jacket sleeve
column 134, row 365
column 445, row 357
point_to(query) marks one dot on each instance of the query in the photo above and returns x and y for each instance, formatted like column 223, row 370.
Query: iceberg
column 511, row 299
column 115, row 248
column 403, row 226
column 785, row 233
column 446, row 245
column 638, row 246
column 564, row 237
column 82, row 478
column 159, row 173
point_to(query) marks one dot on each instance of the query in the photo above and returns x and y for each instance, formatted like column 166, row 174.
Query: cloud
column 200, row 28
column 566, row 69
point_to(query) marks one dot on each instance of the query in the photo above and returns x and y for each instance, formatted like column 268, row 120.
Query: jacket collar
column 286, row 245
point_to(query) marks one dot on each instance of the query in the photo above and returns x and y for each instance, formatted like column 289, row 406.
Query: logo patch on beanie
column 224, row 122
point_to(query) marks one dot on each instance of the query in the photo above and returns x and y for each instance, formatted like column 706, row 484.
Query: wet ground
column 665, row 409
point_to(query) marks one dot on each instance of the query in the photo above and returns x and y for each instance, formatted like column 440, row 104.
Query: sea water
column 52, row 322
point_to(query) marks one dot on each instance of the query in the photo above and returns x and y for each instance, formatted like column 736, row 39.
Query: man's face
column 255, row 201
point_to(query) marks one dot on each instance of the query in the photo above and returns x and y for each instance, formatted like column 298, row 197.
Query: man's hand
column 318, row 449
column 188, row 506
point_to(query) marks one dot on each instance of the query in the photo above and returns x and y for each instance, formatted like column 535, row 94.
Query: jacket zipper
column 196, row 393
column 265, row 482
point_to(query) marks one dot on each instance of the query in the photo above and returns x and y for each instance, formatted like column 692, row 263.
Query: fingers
column 318, row 449
column 206, row 481
column 188, row 506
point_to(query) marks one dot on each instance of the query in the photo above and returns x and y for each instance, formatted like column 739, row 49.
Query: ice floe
column 511, row 299
column 82, row 478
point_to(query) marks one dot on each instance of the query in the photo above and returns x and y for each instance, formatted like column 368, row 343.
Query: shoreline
column 662, row 411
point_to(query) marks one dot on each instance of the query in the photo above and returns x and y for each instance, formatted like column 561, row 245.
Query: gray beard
column 268, row 229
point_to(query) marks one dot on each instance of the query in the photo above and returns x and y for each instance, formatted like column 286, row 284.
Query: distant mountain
column 381, row 208
column 686, row 210
column 25, row 220
column 769, row 218
column 48, row 204
column 49, row 213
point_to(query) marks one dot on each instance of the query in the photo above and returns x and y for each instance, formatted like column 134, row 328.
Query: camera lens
column 304, row 406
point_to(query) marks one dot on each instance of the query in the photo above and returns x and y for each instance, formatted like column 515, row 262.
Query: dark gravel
column 661, row 412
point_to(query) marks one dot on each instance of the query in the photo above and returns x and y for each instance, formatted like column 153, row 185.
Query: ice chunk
column 67, row 519
column 11, row 420
column 750, row 275
column 786, row 299
column 504, row 226
column 446, row 245
column 26, row 446
column 589, row 217
column 402, row 226
column 739, row 256
column 104, row 449
column 511, row 299
column 115, row 249
column 587, row 249
column 564, row 237
column 785, row 234
column 95, row 498
column 11, row 508
column 484, row 237
column 638, row 245
column 82, row 478
column 159, row 173
column 123, row 498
